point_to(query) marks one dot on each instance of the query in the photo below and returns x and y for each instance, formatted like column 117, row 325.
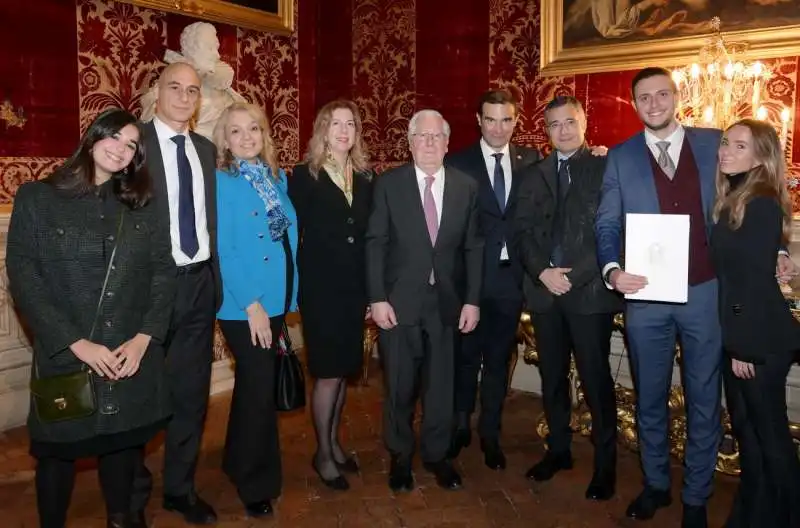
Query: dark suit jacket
column 399, row 250
column 495, row 226
column 534, row 243
column 206, row 151
column 754, row 315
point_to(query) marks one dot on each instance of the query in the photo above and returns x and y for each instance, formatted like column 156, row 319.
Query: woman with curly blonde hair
column 332, row 194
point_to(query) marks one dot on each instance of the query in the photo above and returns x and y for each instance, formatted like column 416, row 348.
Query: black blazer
column 399, row 250
column 496, row 226
column 207, row 153
column 754, row 315
column 533, row 239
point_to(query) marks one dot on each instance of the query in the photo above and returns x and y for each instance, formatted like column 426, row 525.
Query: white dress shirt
column 675, row 143
column 169, row 157
column 505, row 162
column 437, row 188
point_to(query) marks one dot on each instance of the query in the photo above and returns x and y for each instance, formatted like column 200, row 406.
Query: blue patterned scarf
column 258, row 176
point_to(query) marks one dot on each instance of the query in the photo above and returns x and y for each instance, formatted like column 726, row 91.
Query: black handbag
column 70, row 396
column 290, row 381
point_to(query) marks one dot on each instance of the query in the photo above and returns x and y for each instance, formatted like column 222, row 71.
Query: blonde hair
column 225, row 160
column 766, row 179
column 317, row 152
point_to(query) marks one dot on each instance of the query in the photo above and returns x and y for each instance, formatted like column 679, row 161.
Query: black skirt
column 97, row 445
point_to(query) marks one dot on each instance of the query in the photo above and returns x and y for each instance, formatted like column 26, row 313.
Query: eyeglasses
column 424, row 137
column 567, row 124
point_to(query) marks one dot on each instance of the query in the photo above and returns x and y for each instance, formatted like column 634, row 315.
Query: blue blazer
column 253, row 266
column 629, row 187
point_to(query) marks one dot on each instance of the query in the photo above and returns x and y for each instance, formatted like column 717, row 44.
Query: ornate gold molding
column 12, row 117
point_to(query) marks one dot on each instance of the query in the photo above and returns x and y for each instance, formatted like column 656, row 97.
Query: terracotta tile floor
column 488, row 498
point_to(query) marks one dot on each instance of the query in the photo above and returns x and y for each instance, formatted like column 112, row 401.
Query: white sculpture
column 200, row 48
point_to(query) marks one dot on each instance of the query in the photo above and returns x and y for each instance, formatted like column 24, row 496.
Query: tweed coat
column 57, row 255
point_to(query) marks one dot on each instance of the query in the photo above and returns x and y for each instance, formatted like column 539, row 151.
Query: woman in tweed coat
column 62, row 234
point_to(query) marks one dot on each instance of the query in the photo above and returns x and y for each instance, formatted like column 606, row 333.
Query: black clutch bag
column 69, row 396
column 290, row 381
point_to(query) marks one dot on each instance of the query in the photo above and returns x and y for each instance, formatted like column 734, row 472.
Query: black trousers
column 769, row 488
column 252, row 455
column 55, row 479
column 190, row 352
column 489, row 345
column 558, row 334
column 418, row 356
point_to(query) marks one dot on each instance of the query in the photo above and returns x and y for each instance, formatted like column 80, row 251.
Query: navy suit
column 629, row 187
column 501, row 297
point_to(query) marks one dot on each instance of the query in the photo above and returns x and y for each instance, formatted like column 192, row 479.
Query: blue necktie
column 499, row 181
column 186, row 218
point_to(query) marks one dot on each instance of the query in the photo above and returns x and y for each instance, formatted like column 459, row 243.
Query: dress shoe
column 549, row 466
column 339, row 483
column 462, row 437
column 348, row 466
column 493, row 456
column 400, row 478
column 602, row 486
column 118, row 520
column 694, row 517
column 258, row 509
column 446, row 476
column 137, row 519
column 194, row 509
column 649, row 500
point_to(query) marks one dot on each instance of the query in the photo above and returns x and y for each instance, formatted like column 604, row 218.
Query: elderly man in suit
column 182, row 167
column 424, row 258
column 496, row 165
column 570, row 306
column 668, row 169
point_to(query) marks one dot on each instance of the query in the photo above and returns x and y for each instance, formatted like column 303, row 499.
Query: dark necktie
column 499, row 181
column 557, row 256
column 186, row 217
column 563, row 178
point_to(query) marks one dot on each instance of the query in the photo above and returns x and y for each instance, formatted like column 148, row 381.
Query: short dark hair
column 562, row 100
column 502, row 97
column 652, row 71
column 76, row 175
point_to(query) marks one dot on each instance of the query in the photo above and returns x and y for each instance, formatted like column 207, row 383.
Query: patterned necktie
column 499, row 181
column 664, row 159
column 186, row 218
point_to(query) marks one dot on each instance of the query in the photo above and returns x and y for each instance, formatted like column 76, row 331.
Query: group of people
column 122, row 260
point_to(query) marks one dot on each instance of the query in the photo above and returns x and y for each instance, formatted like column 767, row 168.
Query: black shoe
column 549, row 466
column 400, row 478
column 694, row 517
column 348, row 466
column 602, row 486
column 194, row 509
column 258, row 509
column 446, row 476
column 649, row 500
column 137, row 520
column 493, row 456
column 462, row 437
column 338, row 484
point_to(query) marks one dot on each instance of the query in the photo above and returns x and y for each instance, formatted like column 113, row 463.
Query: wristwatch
column 607, row 276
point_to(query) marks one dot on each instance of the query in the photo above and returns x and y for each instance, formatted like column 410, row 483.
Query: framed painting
column 273, row 16
column 586, row 36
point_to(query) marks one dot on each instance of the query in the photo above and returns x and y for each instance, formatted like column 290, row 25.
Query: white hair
column 412, row 123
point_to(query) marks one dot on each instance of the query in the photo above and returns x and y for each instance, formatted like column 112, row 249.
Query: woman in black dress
column 62, row 236
column 332, row 195
column 759, row 334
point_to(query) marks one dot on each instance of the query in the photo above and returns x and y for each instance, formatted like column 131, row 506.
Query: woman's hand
column 743, row 370
column 97, row 357
column 130, row 354
column 260, row 331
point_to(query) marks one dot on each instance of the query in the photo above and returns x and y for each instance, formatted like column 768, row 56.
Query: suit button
column 102, row 217
column 261, row 235
column 255, row 213
column 109, row 324
column 737, row 309
column 350, row 240
column 60, row 231
column 109, row 294
column 110, row 238
column 266, row 259
column 350, row 221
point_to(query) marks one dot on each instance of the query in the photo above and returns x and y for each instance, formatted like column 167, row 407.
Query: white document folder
column 657, row 247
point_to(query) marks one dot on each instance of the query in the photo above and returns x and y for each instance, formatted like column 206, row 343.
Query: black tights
column 327, row 402
column 55, row 479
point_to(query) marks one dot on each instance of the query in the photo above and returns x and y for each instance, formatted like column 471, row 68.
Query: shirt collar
column 488, row 151
column 421, row 174
column 165, row 132
column 675, row 139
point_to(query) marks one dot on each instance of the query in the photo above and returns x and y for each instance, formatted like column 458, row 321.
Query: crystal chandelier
column 722, row 87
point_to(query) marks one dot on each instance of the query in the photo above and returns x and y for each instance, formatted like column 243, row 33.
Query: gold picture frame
column 556, row 59
column 280, row 22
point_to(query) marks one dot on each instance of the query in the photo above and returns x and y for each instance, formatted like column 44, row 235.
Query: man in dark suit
column 495, row 164
column 571, row 307
column 424, row 258
column 182, row 167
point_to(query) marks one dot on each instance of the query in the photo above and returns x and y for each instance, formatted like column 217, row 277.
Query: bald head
column 178, row 95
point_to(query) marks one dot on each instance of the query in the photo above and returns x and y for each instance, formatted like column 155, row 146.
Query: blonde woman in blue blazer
column 257, row 237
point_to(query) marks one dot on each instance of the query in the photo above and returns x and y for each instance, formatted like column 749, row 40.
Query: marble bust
column 200, row 48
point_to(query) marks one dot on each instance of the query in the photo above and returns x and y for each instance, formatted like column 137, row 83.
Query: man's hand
column 555, row 280
column 383, row 315
column 470, row 315
column 786, row 270
column 599, row 150
column 743, row 370
column 626, row 282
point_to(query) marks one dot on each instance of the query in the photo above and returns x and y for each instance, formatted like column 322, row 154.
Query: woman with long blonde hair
column 332, row 193
column 759, row 334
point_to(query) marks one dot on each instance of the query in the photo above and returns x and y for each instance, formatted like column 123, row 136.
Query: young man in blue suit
column 668, row 169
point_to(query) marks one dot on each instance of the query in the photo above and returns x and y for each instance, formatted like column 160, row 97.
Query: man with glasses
column 570, row 306
column 424, row 258
column 495, row 164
